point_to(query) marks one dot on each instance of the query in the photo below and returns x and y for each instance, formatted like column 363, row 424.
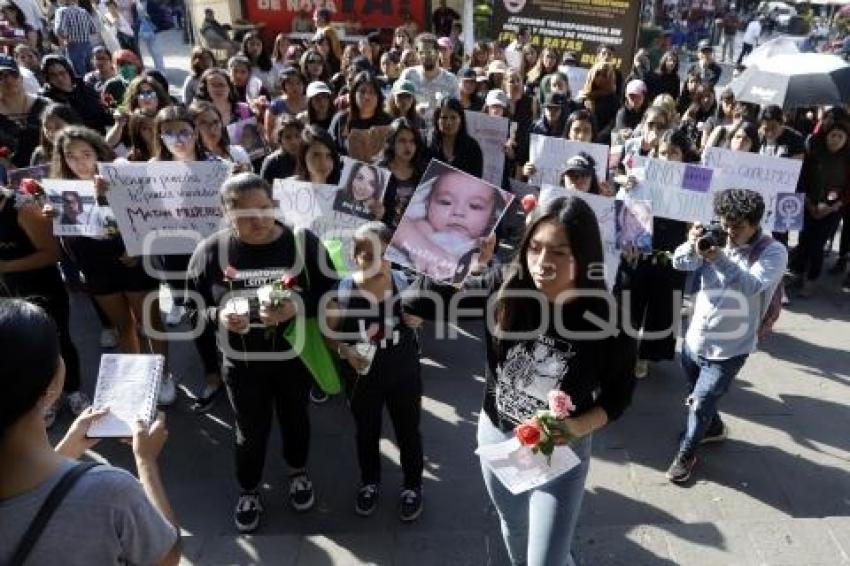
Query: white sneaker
column 176, row 315
column 167, row 390
column 641, row 369
column 108, row 338
column 78, row 402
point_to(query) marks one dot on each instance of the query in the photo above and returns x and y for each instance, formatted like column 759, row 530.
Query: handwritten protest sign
column 676, row 190
column 247, row 134
column 361, row 184
column 764, row 174
column 165, row 207
column 550, row 156
column 77, row 212
column 366, row 145
column 490, row 132
column 576, row 76
column 441, row 230
column 606, row 216
column 15, row 176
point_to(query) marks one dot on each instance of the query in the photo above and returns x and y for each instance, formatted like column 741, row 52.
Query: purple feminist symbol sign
column 696, row 179
column 789, row 212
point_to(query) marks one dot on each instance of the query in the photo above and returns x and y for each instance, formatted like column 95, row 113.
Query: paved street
column 776, row 492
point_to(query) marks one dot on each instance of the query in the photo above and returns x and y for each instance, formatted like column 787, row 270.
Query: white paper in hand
column 520, row 470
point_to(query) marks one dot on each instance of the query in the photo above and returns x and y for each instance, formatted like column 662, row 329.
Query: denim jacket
column 732, row 299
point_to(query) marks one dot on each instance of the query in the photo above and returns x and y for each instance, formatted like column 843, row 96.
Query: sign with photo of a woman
column 362, row 184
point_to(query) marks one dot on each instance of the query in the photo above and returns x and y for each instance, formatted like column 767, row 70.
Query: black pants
column 808, row 258
column 256, row 389
column 398, row 385
column 746, row 49
column 656, row 301
column 844, row 242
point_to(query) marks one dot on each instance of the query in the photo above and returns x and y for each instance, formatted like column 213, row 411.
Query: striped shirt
column 74, row 24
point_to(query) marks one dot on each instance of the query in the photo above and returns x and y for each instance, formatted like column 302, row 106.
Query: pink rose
column 230, row 273
column 528, row 432
column 560, row 404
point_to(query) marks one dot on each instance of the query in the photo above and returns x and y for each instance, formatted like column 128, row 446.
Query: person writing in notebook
column 106, row 516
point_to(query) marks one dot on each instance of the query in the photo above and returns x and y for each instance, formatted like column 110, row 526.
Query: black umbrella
column 795, row 80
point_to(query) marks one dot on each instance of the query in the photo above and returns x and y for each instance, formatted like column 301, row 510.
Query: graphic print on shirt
column 530, row 370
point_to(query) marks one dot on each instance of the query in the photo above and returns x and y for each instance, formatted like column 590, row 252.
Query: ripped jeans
column 708, row 381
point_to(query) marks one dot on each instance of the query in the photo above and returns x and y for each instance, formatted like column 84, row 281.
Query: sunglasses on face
column 177, row 137
column 147, row 94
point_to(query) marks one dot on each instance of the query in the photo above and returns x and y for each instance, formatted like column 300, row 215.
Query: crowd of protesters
column 68, row 103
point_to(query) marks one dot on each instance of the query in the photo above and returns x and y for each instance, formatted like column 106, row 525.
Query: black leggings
column 655, row 295
column 256, row 390
column 808, row 257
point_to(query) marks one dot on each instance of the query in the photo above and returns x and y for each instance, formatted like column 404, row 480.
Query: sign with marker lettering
column 165, row 207
column 549, row 156
column 674, row 189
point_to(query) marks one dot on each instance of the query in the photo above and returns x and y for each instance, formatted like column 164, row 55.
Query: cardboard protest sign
column 247, row 134
column 449, row 214
column 361, row 183
column 77, row 212
column 165, row 207
column 366, row 145
column 634, row 224
column 550, row 156
column 15, row 176
column 764, row 174
column 606, row 216
column 490, row 132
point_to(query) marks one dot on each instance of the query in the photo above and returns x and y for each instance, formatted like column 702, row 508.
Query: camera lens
column 704, row 244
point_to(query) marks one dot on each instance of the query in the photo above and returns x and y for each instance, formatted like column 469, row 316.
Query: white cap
column 496, row 97
column 317, row 87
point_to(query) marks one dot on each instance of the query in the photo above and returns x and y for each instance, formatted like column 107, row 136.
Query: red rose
column 289, row 281
column 529, row 203
column 528, row 433
column 5, row 152
column 230, row 273
column 30, row 186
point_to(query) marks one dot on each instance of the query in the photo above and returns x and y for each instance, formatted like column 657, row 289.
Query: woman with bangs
column 405, row 156
column 365, row 112
column 599, row 96
column 261, row 63
column 215, row 86
column 215, row 138
column 313, row 66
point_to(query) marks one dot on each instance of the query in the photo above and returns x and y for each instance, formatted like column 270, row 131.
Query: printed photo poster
column 367, row 144
column 491, row 133
column 450, row 212
column 606, row 214
column 77, row 211
column 247, row 133
column 768, row 176
column 361, row 183
column 165, row 207
column 634, row 224
column 15, row 176
column 550, row 156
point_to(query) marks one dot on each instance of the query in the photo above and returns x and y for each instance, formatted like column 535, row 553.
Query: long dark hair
column 679, row 139
column 316, row 134
column 59, row 168
column 199, row 107
column 30, row 351
column 64, row 113
column 750, row 129
column 364, row 77
column 140, row 150
column 388, row 153
column 203, row 92
column 263, row 61
column 177, row 113
column 522, row 313
column 463, row 137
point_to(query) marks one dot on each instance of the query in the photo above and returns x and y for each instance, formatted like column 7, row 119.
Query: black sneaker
column 248, row 511
column 680, row 470
column 410, row 506
column 318, row 396
column 207, row 398
column 716, row 432
column 301, row 492
column 367, row 500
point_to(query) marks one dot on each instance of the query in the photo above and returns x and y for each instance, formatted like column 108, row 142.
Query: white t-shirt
column 752, row 33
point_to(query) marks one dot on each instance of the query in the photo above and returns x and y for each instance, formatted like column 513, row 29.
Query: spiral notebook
column 128, row 384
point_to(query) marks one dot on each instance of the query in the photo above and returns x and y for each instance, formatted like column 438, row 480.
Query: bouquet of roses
column 281, row 290
column 33, row 188
column 548, row 428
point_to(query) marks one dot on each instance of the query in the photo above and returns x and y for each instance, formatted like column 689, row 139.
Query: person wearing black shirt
column 281, row 163
column 450, row 142
column 708, row 70
column 262, row 372
column 631, row 113
column 366, row 111
column 63, row 86
column 667, row 79
column 443, row 18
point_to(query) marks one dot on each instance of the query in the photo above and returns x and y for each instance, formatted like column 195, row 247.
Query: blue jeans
column 80, row 56
column 537, row 525
column 708, row 381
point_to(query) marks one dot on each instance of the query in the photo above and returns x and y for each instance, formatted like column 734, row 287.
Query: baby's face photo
column 363, row 184
column 459, row 206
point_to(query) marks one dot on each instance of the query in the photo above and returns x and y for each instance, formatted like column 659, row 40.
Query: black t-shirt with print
column 397, row 197
column 788, row 143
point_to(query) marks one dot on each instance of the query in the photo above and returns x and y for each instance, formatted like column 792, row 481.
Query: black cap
column 467, row 73
column 555, row 99
column 581, row 163
column 772, row 112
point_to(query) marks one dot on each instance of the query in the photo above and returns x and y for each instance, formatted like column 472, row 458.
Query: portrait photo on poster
column 361, row 185
column 449, row 215
column 634, row 224
column 247, row 134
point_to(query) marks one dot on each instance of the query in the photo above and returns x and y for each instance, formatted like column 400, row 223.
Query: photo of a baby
column 447, row 218
column 362, row 184
column 634, row 224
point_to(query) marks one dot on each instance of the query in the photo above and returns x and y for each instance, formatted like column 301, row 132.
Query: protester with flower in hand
column 391, row 377
column 263, row 373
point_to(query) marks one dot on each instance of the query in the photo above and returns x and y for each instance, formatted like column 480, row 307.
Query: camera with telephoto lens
column 713, row 235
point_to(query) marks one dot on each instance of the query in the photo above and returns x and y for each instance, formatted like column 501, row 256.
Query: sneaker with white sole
column 206, row 399
column 680, row 470
column 167, row 390
column 410, row 506
column 108, row 338
column 248, row 511
column 641, row 369
column 367, row 500
column 301, row 492
column 78, row 402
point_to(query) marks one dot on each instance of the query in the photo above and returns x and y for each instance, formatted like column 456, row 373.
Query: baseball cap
column 467, row 73
column 406, row 87
column 555, row 99
column 636, row 86
column 497, row 67
column 317, row 87
column 8, row 63
column 496, row 97
column 581, row 163
column 704, row 45
column 444, row 43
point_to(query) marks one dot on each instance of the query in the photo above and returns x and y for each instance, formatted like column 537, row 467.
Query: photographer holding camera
column 739, row 269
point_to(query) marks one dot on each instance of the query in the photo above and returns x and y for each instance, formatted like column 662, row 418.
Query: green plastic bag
column 305, row 337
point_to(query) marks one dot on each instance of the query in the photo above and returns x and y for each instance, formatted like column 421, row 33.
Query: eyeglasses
column 178, row 137
column 146, row 94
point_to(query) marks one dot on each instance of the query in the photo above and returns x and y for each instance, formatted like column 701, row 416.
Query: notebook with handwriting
column 127, row 384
